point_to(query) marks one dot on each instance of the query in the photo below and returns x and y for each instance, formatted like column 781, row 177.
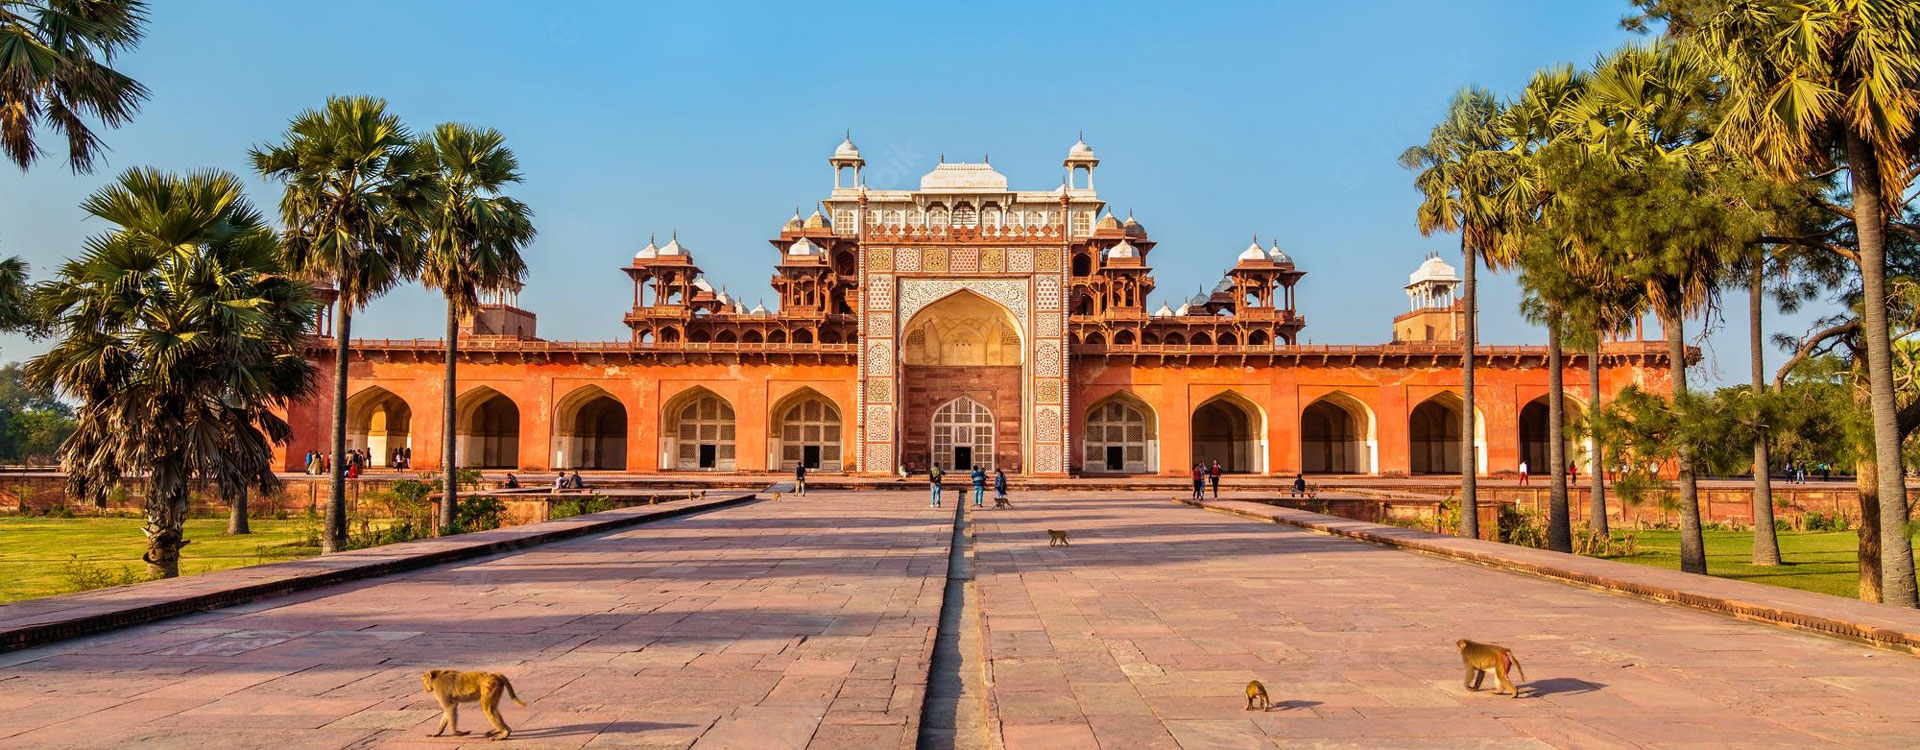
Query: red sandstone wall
column 753, row 389
column 998, row 388
column 1173, row 390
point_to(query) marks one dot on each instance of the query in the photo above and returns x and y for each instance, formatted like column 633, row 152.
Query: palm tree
column 1538, row 120
column 1458, row 179
column 1766, row 543
column 349, row 214
column 474, row 234
column 56, row 70
column 1813, row 83
column 180, row 334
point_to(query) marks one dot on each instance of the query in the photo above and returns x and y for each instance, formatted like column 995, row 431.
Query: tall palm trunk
column 449, row 449
column 335, row 538
column 237, row 516
column 1469, row 465
column 1693, row 551
column 1866, row 482
column 1766, row 545
column 1896, row 555
column 1596, row 478
column 167, row 506
column 1559, row 522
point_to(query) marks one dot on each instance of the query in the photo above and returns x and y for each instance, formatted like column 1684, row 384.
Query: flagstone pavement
column 807, row 623
column 1145, row 632
column 781, row 624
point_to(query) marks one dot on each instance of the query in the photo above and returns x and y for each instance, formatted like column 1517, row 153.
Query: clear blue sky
column 1214, row 122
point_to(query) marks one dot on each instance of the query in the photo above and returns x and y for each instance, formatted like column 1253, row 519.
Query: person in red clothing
column 1213, row 473
column 1199, row 481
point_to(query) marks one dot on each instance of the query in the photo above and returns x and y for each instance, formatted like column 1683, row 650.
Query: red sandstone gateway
column 963, row 324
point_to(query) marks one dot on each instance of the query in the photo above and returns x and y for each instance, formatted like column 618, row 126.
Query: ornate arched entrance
column 963, row 435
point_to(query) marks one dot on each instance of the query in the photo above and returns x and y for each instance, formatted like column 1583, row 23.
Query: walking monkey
column 451, row 688
column 1257, row 696
column 1057, row 538
column 1482, row 658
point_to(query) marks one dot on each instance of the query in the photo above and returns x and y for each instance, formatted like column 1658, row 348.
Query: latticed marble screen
column 810, row 424
column 706, row 435
column 1116, row 424
column 963, row 422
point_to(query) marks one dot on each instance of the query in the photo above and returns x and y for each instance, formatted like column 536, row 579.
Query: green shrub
column 478, row 514
column 1521, row 527
column 570, row 507
column 1818, row 521
column 85, row 575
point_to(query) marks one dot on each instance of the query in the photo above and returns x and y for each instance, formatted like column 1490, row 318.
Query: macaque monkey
column 1057, row 538
column 452, row 687
column 776, row 496
column 1482, row 658
column 1257, row 696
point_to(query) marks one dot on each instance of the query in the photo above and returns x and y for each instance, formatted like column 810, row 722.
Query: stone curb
column 37, row 622
column 1874, row 624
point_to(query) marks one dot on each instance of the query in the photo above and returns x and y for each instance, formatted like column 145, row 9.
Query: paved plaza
column 810, row 622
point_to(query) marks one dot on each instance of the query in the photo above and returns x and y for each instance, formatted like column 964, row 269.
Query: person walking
column 1573, row 472
column 800, row 479
column 1523, row 473
column 979, row 478
column 1213, row 475
column 934, row 476
column 1000, row 489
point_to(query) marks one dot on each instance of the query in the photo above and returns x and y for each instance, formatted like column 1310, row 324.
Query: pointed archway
column 1337, row 436
column 379, row 422
column 1121, row 436
column 697, row 432
column 806, row 431
column 1228, row 428
column 590, row 430
column 487, row 434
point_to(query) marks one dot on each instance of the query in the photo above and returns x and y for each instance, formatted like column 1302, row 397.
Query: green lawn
column 35, row 552
column 1814, row 561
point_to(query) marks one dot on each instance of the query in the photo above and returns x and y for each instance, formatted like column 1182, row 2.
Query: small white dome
column 817, row 220
column 1225, row 285
column 724, row 298
column 701, row 283
column 650, row 251
column 803, row 248
column 794, row 224
column 1081, row 151
column 1183, row 310
column 673, row 247
column 1123, row 250
column 1199, row 300
column 1253, row 252
column 846, row 149
column 1435, row 270
column 1163, row 312
column 1279, row 256
column 759, row 309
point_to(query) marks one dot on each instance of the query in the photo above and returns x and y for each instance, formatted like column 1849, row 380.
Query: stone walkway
column 783, row 624
column 808, row 624
column 1144, row 633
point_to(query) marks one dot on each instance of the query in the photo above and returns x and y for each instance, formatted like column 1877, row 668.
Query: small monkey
column 1057, row 538
column 1257, row 696
column 1482, row 658
column 776, row 496
column 452, row 687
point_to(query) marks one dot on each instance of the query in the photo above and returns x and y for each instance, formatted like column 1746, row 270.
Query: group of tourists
column 320, row 464
column 979, row 479
column 1203, row 473
column 1797, row 471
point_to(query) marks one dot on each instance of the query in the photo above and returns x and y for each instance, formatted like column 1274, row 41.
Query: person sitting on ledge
column 559, row 481
column 512, row 483
column 1299, row 485
column 576, row 482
